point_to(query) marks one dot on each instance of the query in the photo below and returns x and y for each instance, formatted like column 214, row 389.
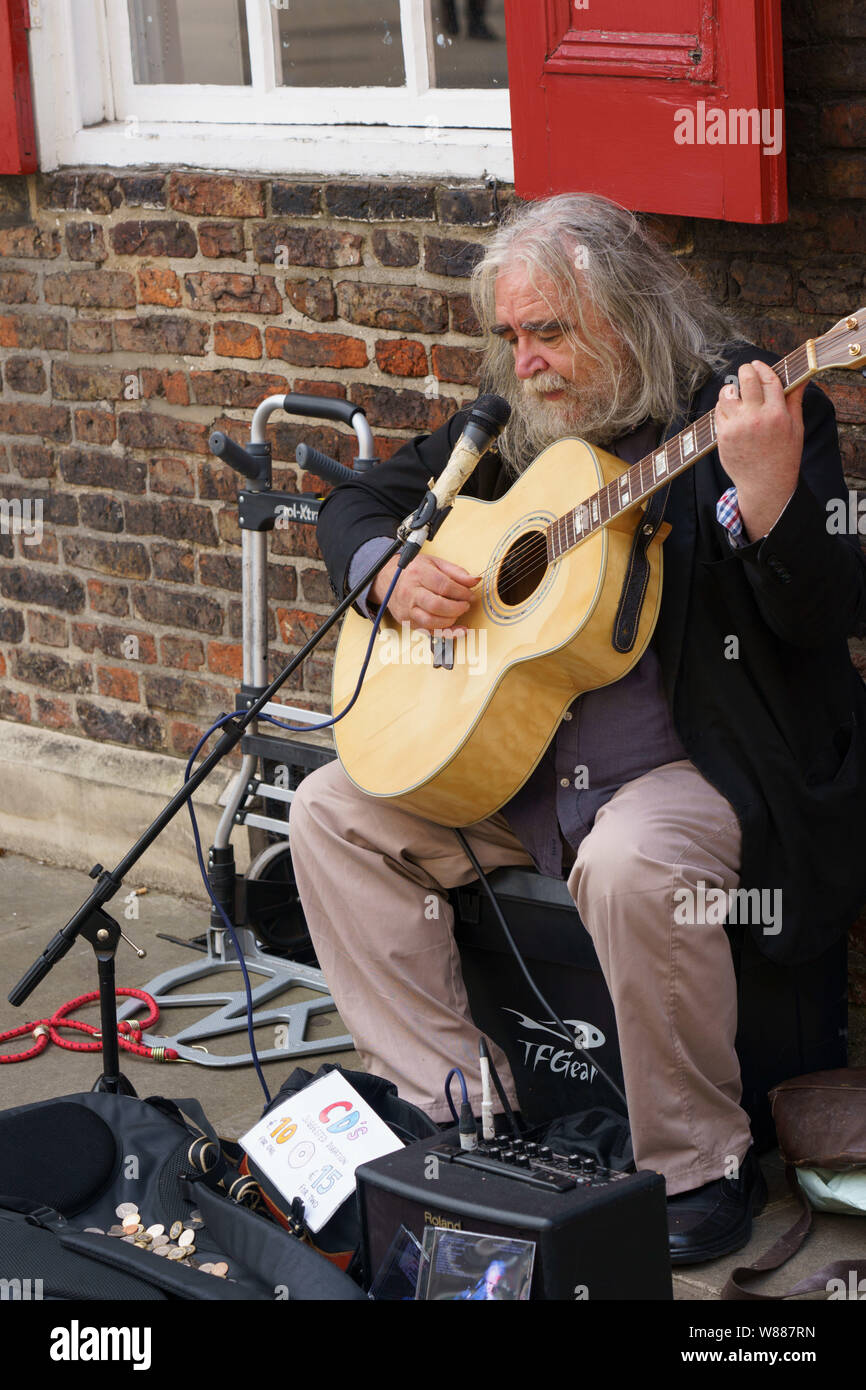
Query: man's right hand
column 430, row 593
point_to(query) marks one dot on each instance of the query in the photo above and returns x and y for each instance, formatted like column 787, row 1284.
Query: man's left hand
column 759, row 431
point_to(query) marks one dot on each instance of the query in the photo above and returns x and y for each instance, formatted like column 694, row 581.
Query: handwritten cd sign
column 311, row 1146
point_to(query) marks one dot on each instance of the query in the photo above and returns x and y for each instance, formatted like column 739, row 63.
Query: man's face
column 559, row 389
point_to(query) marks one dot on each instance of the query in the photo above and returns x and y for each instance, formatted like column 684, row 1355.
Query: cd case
column 469, row 1265
column 397, row 1278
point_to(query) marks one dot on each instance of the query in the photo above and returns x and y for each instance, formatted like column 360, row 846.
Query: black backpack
column 68, row 1164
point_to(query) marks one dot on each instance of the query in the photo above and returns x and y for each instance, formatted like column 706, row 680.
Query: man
column 732, row 755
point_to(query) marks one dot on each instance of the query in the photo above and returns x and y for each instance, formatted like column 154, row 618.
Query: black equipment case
column 792, row 1019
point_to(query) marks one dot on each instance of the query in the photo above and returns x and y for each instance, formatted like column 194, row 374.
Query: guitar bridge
column 443, row 652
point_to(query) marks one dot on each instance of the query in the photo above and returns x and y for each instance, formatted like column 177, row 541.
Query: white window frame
column 90, row 112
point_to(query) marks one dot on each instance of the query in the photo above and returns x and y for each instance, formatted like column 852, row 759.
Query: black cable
column 567, row 1036
column 455, row 1071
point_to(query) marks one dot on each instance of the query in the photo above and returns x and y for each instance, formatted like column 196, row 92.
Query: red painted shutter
column 606, row 94
column 17, row 136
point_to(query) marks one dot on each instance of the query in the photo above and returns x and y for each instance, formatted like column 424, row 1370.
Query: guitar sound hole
column 523, row 567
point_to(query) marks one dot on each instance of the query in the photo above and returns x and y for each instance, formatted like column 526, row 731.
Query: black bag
column 340, row 1238
column 68, row 1164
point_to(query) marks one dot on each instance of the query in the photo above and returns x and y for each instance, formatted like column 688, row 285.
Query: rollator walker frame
column 245, row 898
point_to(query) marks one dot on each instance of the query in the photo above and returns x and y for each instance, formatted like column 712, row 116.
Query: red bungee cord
column 45, row 1030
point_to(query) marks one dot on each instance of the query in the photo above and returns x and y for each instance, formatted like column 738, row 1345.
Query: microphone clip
column 415, row 530
column 423, row 514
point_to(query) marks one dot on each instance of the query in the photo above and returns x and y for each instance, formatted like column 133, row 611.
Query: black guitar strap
column 634, row 587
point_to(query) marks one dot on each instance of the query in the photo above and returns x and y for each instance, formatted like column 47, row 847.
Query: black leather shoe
column 716, row 1219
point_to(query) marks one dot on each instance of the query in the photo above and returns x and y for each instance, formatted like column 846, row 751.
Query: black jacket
column 780, row 730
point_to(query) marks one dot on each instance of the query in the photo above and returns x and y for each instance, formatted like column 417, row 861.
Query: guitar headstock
column 845, row 344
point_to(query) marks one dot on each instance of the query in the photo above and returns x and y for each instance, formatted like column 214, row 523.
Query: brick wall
column 138, row 310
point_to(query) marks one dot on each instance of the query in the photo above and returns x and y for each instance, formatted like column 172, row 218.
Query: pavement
column 38, row 898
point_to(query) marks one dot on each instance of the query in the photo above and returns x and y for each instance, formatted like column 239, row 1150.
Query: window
column 318, row 86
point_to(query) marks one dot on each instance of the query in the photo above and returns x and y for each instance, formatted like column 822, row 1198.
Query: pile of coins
column 176, row 1243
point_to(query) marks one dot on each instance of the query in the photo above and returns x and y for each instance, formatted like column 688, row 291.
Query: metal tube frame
column 228, row 1007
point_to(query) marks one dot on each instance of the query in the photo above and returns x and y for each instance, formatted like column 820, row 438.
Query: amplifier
column 598, row 1234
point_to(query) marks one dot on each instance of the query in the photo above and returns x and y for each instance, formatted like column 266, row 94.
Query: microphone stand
column 91, row 920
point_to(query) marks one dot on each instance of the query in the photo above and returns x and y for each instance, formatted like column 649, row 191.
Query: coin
column 94, row 1231
column 115, row 1230
column 125, row 1209
column 144, row 1237
column 174, row 1253
column 207, row 1267
column 128, row 1240
column 186, row 1237
column 155, row 1230
column 159, row 1241
column 142, row 1244
column 196, row 1218
column 221, row 1269
column 188, row 1249
column 175, row 1230
column 160, row 1249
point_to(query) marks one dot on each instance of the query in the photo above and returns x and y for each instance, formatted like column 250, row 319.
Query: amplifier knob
column 508, row 1156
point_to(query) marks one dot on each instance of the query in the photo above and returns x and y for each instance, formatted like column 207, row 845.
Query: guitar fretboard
column 644, row 478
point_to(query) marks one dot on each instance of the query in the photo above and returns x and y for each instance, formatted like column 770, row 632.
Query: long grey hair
column 602, row 258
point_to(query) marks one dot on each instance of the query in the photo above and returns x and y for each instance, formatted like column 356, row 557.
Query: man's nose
column 528, row 361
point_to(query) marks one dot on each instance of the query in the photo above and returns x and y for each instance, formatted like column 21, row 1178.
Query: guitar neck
column 654, row 471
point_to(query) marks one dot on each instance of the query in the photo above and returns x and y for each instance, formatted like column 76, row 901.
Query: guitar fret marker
column 660, row 463
column 688, row 444
column 594, row 510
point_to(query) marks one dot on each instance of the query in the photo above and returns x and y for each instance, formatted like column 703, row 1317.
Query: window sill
column 401, row 151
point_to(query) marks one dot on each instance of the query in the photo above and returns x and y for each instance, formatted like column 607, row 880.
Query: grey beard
column 587, row 415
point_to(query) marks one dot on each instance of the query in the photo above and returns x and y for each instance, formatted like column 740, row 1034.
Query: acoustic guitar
column 451, row 730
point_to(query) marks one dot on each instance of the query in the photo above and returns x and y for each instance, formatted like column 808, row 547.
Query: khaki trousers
column 371, row 879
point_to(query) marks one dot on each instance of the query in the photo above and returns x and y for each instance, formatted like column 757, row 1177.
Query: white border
column 262, row 129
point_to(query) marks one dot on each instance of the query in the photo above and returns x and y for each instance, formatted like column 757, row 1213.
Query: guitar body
column 454, row 745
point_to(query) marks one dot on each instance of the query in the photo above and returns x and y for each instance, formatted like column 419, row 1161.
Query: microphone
column 487, row 420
